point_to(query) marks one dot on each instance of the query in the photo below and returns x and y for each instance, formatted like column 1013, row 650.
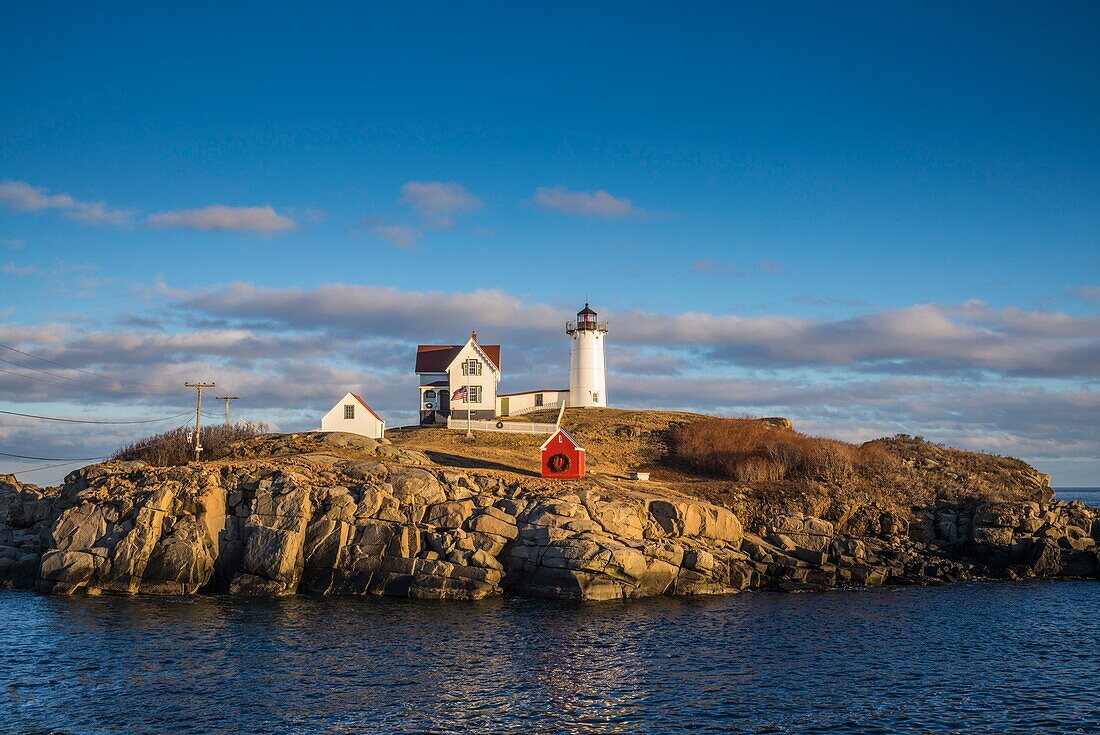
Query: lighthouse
column 587, row 385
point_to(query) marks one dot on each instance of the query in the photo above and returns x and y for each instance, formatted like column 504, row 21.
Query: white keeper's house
column 352, row 414
column 460, row 381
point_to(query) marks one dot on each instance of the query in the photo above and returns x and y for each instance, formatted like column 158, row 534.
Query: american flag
column 459, row 395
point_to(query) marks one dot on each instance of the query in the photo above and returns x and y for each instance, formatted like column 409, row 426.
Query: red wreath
column 558, row 463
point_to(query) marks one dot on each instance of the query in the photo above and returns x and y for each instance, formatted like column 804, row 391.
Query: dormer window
column 471, row 367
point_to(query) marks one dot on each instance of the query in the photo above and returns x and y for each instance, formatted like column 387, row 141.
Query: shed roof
column 568, row 436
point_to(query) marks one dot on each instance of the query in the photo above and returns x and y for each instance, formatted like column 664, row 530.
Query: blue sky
column 871, row 218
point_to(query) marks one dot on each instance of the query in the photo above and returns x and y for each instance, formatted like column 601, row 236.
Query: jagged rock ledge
column 391, row 523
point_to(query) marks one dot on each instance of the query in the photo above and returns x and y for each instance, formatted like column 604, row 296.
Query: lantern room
column 562, row 457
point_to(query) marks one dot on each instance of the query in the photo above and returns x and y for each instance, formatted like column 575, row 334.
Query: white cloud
column 436, row 201
column 436, row 204
column 1092, row 293
column 222, row 218
column 23, row 197
column 11, row 269
column 598, row 204
column 12, row 243
column 924, row 338
column 402, row 236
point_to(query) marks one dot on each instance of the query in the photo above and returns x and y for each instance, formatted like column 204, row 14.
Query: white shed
column 352, row 414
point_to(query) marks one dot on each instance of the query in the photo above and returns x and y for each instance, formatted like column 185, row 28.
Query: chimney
column 473, row 335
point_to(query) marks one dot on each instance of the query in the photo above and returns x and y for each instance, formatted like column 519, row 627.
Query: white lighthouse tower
column 587, row 384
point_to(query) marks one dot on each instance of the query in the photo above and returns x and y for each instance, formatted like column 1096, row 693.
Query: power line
column 154, row 389
column 91, row 421
column 64, row 377
column 52, row 459
column 33, row 377
column 48, row 467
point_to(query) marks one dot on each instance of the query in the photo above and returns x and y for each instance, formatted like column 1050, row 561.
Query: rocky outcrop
column 379, row 523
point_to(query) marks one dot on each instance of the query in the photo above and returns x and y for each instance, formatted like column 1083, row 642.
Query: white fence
column 532, row 409
column 508, row 427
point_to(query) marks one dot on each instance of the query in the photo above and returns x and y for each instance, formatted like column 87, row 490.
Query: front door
column 504, row 406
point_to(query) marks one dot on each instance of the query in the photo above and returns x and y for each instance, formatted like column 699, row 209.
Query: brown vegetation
column 176, row 447
column 751, row 450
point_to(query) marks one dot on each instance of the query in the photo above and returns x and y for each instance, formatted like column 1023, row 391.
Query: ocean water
column 1090, row 495
column 984, row 657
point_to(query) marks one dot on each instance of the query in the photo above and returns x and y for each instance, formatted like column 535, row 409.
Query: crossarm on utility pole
column 227, row 399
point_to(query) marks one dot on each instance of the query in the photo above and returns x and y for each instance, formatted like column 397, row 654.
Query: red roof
column 363, row 403
column 436, row 358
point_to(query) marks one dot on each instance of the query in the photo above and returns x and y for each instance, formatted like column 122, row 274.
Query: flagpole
column 469, row 423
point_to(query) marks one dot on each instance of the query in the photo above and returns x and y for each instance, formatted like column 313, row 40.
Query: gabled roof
column 363, row 403
column 437, row 358
column 568, row 436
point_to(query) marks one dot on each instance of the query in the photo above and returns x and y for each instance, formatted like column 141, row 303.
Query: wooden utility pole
column 227, row 399
column 198, row 415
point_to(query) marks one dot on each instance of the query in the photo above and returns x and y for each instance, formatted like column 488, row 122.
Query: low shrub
column 177, row 447
column 750, row 450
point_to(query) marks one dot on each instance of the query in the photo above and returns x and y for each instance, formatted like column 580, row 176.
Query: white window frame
column 474, row 394
column 471, row 366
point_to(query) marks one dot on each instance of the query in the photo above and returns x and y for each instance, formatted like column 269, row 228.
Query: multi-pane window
column 349, row 411
column 538, row 399
column 475, row 394
column 471, row 367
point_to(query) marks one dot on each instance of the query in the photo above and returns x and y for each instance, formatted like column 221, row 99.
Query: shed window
column 538, row 399
column 349, row 411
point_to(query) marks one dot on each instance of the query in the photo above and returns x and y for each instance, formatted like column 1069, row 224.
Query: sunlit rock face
column 372, row 519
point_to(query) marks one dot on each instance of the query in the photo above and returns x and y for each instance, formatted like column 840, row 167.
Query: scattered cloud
column 23, row 197
column 438, row 201
column 925, row 338
column 222, row 218
column 599, row 204
column 1092, row 293
column 12, row 243
column 402, row 236
column 19, row 271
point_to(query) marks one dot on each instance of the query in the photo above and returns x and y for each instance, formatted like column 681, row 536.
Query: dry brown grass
column 173, row 448
column 750, row 450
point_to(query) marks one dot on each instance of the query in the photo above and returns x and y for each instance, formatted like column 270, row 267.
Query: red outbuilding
column 562, row 457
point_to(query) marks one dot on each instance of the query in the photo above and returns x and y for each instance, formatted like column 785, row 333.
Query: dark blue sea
column 1090, row 495
column 985, row 657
